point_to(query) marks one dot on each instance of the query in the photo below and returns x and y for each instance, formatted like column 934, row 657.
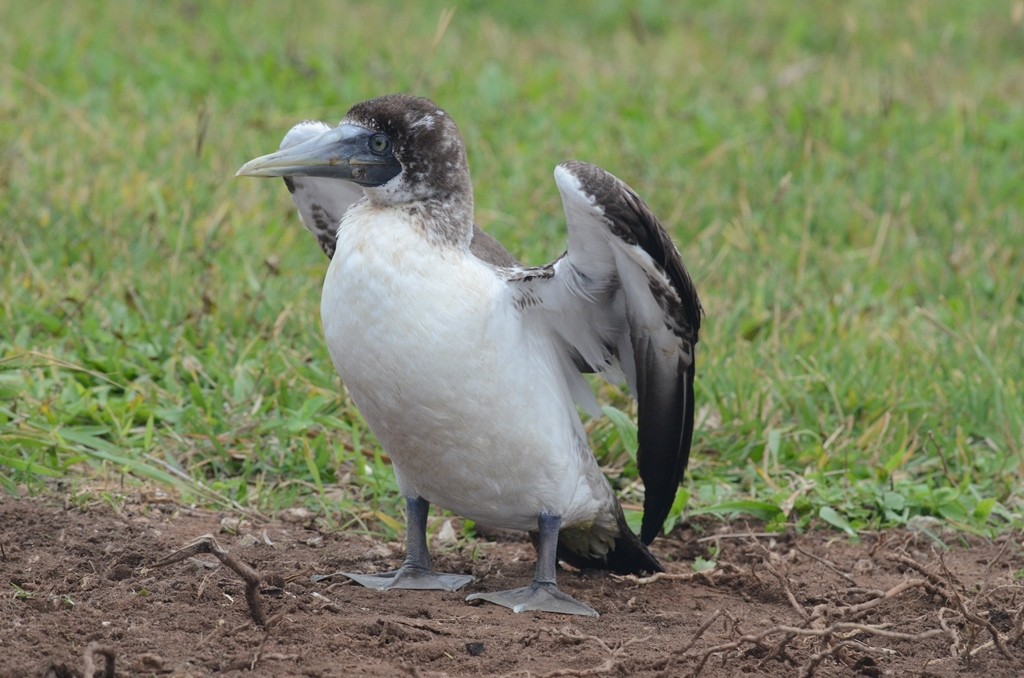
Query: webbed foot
column 415, row 572
column 411, row 577
column 541, row 597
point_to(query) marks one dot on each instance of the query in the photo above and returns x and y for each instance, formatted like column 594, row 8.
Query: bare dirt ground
column 81, row 593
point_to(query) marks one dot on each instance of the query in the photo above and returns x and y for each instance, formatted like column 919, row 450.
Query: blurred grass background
column 844, row 181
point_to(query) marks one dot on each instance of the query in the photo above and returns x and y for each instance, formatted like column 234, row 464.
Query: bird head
column 399, row 148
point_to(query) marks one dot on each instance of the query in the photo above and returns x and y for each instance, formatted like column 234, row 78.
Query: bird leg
column 543, row 594
column 415, row 572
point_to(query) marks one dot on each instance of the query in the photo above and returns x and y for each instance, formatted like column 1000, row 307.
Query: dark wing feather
column 620, row 298
column 321, row 202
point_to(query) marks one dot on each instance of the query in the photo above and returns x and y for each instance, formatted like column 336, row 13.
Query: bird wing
column 321, row 202
column 619, row 302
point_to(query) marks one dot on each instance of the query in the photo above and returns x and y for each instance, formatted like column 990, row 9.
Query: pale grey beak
column 340, row 153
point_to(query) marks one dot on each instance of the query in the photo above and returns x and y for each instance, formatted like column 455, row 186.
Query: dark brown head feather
column 435, row 173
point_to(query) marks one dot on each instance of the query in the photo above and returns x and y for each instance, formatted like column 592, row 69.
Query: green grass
column 844, row 183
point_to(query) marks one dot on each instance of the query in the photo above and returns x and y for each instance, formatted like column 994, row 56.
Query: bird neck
column 447, row 220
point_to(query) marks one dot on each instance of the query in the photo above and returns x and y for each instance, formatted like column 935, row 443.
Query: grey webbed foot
column 543, row 594
column 411, row 577
column 415, row 573
column 541, row 597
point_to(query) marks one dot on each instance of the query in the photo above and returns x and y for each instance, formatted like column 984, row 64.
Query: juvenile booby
column 468, row 370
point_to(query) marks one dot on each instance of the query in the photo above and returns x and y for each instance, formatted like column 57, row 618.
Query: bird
column 469, row 367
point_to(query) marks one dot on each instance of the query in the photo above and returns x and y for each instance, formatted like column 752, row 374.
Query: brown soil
column 80, row 585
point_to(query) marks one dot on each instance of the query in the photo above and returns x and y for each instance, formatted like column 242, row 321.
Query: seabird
column 468, row 367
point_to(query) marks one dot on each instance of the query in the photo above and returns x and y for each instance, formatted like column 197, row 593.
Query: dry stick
column 1018, row 615
column 800, row 609
column 720, row 567
column 885, row 633
column 988, row 568
column 807, row 670
column 89, row 660
column 757, row 639
column 717, row 615
column 568, row 635
column 252, row 578
column 818, row 610
column 937, row 584
column 217, row 632
column 422, row 627
column 738, row 535
column 947, row 589
column 779, row 650
column 700, row 631
column 849, row 629
column 944, row 623
column 829, row 564
column 854, row 590
column 202, row 584
column 1018, row 621
column 972, row 617
column 271, row 623
column 1015, row 588
column 604, row 669
column 780, row 647
column 657, row 576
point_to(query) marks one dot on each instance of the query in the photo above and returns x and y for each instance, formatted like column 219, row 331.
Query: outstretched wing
column 620, row 302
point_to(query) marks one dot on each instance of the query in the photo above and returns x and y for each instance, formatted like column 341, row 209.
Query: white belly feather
column 472, row 410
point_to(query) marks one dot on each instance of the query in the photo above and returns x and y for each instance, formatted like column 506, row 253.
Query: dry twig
column 89, row 660
column 616, row 652
column 800, row 609
column 721, row 567
column 208, row 544
column 829, row 564
column 971, row 616
column 937, row 584
column 758, row 639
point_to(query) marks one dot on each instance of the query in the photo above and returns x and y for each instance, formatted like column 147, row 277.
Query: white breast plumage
column 431, row 349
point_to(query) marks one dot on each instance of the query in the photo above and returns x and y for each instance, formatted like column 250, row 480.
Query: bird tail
column 626, row 555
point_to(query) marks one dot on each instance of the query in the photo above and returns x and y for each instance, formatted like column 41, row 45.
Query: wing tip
column 582, row 184
column 580, row 170
column 663, row 484
column 564, row 175
column 628, row 553
column 303, row 131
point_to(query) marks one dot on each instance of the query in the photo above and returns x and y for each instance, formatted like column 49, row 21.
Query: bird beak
column 339, row 153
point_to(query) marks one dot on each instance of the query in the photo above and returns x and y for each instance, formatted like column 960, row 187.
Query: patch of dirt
column 80, row 587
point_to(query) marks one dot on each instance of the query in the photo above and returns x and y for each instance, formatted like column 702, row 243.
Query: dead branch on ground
column 841, row 635
column 89, row 660
column 616, row 652
column 208, row 544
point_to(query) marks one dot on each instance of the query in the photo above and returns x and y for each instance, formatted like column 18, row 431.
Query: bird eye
column 379, row 143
